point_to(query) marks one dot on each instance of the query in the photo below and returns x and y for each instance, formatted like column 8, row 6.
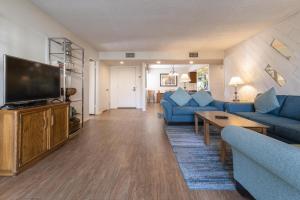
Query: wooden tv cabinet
column 28, row 135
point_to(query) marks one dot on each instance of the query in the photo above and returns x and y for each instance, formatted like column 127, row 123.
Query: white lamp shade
column 185, row 78
column 235, row 81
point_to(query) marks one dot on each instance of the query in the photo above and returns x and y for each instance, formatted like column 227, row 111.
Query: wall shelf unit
column 69, row 57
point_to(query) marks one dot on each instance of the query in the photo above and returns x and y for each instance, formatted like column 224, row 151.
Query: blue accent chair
column 284, row 121
column 267, row 168
column 185, row 114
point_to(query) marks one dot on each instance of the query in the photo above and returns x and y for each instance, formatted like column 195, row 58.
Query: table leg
column 223, row 151
column 206, row 132
column 196, row 124
column 264, row 131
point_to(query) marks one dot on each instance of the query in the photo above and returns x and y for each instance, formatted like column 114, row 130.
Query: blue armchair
column 267, row 168
column 284, row 122
column 177, row 114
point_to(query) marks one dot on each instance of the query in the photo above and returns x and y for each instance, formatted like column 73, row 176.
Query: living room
column 149, row 99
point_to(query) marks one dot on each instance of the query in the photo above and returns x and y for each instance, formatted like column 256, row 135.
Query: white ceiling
column 152, row 25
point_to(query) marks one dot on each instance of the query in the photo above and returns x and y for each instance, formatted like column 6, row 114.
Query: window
column 203, row 78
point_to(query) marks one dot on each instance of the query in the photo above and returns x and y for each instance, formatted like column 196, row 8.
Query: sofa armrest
column 219, row 104
column 239, row 107
column 279, row 158
column 167, row 108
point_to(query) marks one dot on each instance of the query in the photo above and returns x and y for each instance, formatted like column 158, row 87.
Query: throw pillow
column 180, row 97
column 266, row 102
column 203, row 98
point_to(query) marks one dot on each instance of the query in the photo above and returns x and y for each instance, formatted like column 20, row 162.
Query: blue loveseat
column 177, row 114
column 267, row 168
column 284, row 121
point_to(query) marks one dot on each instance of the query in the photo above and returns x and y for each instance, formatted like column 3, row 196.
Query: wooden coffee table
column 209, row 118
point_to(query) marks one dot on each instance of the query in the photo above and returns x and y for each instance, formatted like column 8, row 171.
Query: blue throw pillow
column 181, row 97
column 266, row 102
column 203, row 98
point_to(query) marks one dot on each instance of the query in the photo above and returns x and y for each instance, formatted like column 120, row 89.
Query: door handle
column 134, row 89
column 52, row 120
column 45, row 122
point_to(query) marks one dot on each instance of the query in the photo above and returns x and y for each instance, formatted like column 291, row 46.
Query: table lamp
column 185, row 78
column 235, row 82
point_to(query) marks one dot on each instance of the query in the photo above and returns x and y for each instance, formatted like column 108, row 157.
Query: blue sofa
column 267, row 168
column 284, row 122
column 177, row 114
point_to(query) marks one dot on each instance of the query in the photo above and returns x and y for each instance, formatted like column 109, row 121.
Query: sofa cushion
column 281, row 100
column 280, row 126
column 188, row 110
column 291, row 108
column 167, row 96
column 266, row 102
column 259, row 117
column 181, row 97
column 203, row 98
column 289, row 130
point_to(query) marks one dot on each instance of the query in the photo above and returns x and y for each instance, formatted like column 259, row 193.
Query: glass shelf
column 61, row 55
column 69, row 57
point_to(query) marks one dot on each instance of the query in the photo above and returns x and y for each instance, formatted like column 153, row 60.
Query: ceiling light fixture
column 173, row 72
column 121, row 62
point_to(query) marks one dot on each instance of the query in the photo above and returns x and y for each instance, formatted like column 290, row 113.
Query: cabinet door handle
column 52, row 120
column 45, row 122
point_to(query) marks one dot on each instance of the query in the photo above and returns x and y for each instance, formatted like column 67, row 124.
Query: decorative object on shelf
column 69, row 57
column 235, row 82
column 168, row 81
column 281, row 48
column 173, row 72
column 185, row 79
column 74, row 125
column 275, row 76
column 69, row 92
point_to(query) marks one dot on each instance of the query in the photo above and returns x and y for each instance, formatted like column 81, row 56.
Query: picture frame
column 282, row 49
column 278, row 78
column 168, row 81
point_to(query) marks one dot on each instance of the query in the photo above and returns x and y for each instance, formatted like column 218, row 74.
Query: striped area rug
column 199, row 163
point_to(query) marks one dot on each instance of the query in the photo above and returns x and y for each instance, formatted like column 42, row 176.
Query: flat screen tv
column 27, row 81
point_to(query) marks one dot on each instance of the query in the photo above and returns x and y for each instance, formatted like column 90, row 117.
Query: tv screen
column 28, row 80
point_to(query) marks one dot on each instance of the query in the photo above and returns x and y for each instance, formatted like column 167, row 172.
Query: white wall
column 24, row 30
column 249, row 59
column 216, row 81
column 163, row 55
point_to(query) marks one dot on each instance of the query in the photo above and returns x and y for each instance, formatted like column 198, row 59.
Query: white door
column 92, row 87
column 123, row 82
column 105, row 88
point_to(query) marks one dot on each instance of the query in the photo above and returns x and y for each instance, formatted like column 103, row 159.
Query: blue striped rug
column 199, row 163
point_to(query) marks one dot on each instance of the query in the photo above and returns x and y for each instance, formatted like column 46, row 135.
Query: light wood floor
column 123, row 154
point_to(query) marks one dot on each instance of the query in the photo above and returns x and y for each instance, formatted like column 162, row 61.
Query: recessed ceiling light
column 158, row 62
column 121, row 62
column 191, row 62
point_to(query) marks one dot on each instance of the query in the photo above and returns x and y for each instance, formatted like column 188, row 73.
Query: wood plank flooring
column 122, row 154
